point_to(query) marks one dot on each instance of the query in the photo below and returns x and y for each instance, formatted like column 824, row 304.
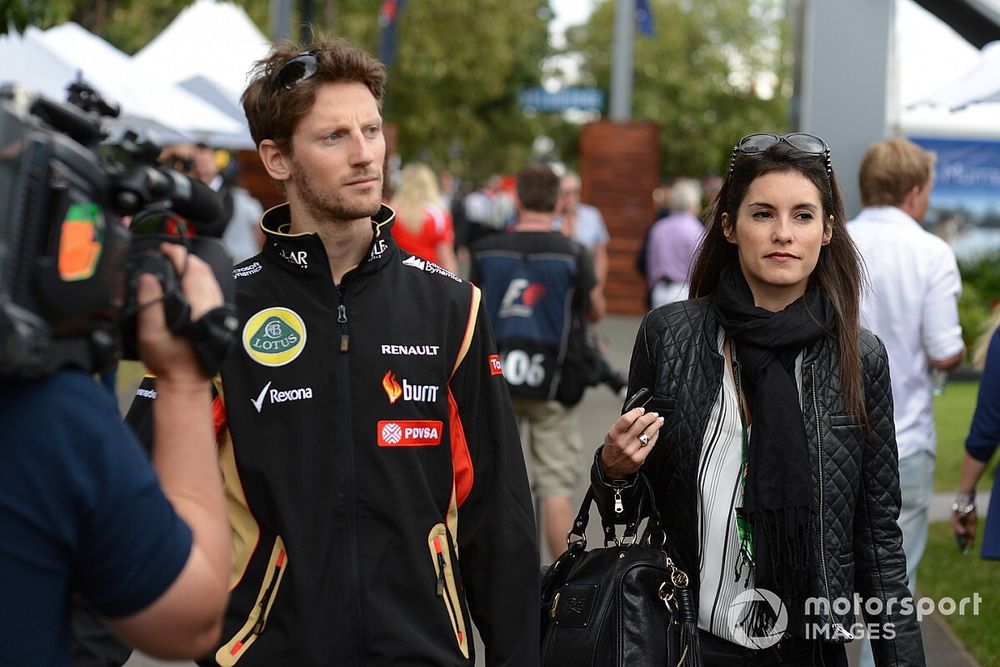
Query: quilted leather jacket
column 858, row 545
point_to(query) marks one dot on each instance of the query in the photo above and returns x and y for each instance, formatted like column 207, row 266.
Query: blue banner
column 965, row 202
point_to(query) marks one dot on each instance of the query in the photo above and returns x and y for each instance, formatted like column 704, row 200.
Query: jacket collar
column 304, row 254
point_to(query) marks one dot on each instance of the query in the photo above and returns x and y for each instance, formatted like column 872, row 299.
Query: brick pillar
column 619, row 169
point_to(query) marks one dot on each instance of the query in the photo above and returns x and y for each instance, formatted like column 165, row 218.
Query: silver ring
column 644, row 439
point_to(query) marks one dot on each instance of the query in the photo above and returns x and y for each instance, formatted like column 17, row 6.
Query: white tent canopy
column 49, row 61
column 979, row 84
column 214, row 41
column 929, row 56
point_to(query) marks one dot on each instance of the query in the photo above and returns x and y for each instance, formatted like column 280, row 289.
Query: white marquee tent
column 49, row 61
column 209, row 48
column 937, row 71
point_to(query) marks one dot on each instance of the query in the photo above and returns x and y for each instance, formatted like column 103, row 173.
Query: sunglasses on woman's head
column 296, row 70
column 757, row 143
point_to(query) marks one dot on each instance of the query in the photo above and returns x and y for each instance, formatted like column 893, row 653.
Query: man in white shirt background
column 583, row 223
column 912, row 305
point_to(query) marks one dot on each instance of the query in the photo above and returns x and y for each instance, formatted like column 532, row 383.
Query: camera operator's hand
column 168, row 355
column 186, row 619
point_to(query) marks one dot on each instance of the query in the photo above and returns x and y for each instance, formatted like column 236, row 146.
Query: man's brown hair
column 273, row 112
column 892, row 168
column 538, row 189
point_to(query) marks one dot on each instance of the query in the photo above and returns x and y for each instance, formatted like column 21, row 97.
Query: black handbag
column 624, row 604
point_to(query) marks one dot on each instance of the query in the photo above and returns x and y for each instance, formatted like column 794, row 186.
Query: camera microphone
column 189, row 198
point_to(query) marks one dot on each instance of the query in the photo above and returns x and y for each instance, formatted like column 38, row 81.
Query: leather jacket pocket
column 447, row 587
column 845, row 420
column 230, row 653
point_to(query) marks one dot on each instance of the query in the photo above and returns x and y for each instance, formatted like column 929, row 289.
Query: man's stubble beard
column 332, row 207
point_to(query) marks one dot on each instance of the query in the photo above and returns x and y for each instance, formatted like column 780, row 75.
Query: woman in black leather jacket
column 769, row 438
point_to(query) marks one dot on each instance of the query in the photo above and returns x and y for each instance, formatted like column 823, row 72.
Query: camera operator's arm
column 185, row 620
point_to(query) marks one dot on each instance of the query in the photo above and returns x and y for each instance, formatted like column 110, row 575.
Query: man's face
column 569, row 193
column 337, row 155
column 204, row 164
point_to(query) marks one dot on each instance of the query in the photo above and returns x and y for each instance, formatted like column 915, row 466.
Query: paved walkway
column 599, row 409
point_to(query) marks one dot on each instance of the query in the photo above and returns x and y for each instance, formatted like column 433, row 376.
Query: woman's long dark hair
column 839, row 269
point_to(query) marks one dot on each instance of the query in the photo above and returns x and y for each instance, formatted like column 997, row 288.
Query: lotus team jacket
column 373, row 472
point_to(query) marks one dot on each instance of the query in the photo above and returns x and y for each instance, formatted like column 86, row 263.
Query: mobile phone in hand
column 637, row 400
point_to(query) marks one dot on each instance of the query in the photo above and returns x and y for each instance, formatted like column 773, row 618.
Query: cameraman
column 81, row 510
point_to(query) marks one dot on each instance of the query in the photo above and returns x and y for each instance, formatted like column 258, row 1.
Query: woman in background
column 423, row 225
column 984, row 437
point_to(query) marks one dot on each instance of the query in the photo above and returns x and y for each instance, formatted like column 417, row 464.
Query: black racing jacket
column 374, row 476
column 857, row 546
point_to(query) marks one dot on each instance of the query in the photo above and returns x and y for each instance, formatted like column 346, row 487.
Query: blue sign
column 583, row 99
column 965, row 202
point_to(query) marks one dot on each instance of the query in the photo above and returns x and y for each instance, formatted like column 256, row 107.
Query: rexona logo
column 418, row 393
column 280, row 395
column 274, row 336
column 409, row 433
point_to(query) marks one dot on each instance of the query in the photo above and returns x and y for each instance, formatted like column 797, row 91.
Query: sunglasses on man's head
column 296, row 70
column 757, row 143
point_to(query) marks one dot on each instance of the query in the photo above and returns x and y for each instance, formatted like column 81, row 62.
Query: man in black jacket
column 375, row 480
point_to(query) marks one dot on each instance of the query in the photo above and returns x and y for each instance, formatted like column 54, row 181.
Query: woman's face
column 779, row 231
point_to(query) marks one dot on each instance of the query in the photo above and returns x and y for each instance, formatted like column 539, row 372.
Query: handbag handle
column 654, row 527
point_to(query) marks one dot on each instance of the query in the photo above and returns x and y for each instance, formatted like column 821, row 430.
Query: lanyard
column 744, row 529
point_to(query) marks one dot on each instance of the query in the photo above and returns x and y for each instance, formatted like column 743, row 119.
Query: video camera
column 69, row 266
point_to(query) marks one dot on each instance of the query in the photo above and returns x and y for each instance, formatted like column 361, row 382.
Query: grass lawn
column 953, row 413
column 944, row 572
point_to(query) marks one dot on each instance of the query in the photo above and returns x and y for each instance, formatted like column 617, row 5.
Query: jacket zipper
column 342, row 320
column 258, row 627
column 442, row 589
column 345, row 381
column 822, row 492
column 231, row 652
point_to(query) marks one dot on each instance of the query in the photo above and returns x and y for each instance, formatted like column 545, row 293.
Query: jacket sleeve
column 878, row 542
column 984, row 432
column 640, row 375
column 498, row 547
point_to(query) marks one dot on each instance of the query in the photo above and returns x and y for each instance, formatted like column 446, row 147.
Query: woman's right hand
column 623, row 452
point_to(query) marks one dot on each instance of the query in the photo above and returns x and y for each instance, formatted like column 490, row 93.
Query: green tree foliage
column 127, row 24
column 454, row 85
column 453, row 88
column 699, row 77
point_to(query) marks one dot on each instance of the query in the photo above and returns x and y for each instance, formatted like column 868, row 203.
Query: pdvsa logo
column 274, row 336
column 409, row 433
column 407, row 391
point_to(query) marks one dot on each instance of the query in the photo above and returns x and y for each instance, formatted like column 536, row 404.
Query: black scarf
column 779, row 500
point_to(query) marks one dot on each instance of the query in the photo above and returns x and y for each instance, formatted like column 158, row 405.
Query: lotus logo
column 392, row 388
